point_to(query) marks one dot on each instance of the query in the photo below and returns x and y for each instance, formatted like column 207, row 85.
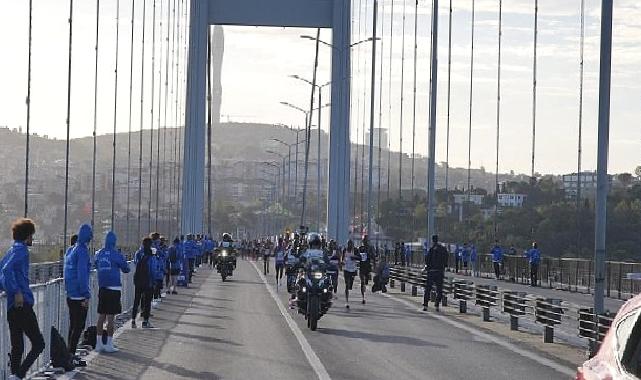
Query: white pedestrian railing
column 50, row 307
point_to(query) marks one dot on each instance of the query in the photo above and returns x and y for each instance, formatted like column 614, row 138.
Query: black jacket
column 436, row 258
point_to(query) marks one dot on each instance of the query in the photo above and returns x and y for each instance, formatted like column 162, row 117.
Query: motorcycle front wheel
column 314, row 313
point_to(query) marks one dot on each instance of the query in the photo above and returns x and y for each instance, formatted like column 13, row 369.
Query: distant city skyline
column 258, row 61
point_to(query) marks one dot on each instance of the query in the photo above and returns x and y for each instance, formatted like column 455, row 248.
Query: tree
column 625, row 178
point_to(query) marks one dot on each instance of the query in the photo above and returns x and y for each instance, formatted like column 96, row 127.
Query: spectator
column 475, row 261
column 77, row 267
column 465, row 256
column 402, row 253
column 14, row 279
column 159, row 267
column 458, row 255
column 408, row 255
column 109, row 264
column 397, row 249
column 534, row 258
column 497, row 259
column 190, row 250
column 175, row 259
column 143, row 283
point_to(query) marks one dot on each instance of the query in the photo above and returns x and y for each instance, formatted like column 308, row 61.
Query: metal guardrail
column 550, row 313
column 570, row 274
column 51, row 310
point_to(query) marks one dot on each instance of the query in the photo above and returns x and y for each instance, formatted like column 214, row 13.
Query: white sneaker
column 109, row 347
column 99, row 346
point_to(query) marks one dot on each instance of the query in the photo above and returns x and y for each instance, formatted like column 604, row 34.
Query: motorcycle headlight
column 325, row 290
column 224, row 253
column 318, row 275
column 304, row 289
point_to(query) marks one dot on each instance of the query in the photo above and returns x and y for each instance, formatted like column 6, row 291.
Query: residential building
column 512, row 200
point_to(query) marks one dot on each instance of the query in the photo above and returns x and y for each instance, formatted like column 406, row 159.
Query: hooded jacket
column 533, row 255
column 14, row 267
column 190, row 249
column 109, row 263
column 144, row 278
column 497, row 254
column 78, row 265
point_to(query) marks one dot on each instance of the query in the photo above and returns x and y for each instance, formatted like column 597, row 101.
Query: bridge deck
column 235, row 330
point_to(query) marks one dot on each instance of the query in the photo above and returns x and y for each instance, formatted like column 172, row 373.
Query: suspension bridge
column 155, row 80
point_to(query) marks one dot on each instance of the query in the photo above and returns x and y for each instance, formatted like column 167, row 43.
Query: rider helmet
column 227, row 237
column 314, row 241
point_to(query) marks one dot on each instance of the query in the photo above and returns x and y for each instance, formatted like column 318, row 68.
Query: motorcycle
column 226, row 262
column 314, row 294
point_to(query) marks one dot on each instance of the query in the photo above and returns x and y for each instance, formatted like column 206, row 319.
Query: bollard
column 514, row 323
column 391, row 283
column 486, row 314
column 403, row 286
column 414, row 291
column 548, row 334
column 462, row 306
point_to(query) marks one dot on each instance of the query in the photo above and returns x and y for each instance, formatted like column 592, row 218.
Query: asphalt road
column 241, row 330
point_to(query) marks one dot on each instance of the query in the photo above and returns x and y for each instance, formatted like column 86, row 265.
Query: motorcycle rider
column 334, row 262
column 349, row 259
column 365, row 265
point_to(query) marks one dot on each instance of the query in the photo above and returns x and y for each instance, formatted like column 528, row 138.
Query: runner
column 349, row 259
column 279, row 259
column 365, row 265
column 334, row 262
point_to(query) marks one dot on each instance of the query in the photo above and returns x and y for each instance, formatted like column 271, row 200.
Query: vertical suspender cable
column 27, row 148
column 469, row 132
column 498, row 122
column 131, row 89
column 182, row 110
column 160, row 39
column 449, row 98
column 177, row 95
column 380, row 122
column 414, row 102
column 364, row 120
column 358, row 112
column 400, row 134
column 95, row 117
column 536, row 33
column 580, row 139
column 113, row 168
column 209, row 121
column 68, row 121
column 389, row 98
column 151, row 108
column 164, row 131
column 142, row 116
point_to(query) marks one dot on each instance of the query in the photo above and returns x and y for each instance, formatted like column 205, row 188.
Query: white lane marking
column 490, row 338
column 311, row 356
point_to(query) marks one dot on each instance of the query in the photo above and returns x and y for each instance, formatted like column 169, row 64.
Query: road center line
column 490, row 338
column 311, row 356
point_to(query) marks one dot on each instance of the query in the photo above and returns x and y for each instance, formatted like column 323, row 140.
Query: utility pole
column 371, row 121
column 602, row 187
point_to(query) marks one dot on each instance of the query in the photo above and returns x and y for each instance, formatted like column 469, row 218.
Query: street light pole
column 371, row 122
column 602, row 155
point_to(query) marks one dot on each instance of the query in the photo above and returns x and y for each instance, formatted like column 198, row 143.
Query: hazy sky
column 258, row 61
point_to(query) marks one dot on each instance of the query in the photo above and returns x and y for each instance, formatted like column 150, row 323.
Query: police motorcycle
column 314, row 289
column 226, row 257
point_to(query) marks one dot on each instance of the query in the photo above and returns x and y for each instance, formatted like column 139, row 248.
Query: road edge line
column 312, row 358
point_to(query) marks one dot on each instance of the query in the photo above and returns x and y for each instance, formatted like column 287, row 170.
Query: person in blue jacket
column 190, row 250
column 497, row 259
column 14, row 280
column 474, row 259
column 534, row 258
column 144, row 279
column 458, row 257
column 159, row 262
column 109, row 263
column 77, row 267
column 175, row 259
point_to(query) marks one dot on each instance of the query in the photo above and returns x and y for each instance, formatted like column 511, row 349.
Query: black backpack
column 60, row 356
column 89, row 337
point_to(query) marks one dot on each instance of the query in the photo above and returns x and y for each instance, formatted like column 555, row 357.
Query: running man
column 279, row 260
column 365, row 265
column 349, row 259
